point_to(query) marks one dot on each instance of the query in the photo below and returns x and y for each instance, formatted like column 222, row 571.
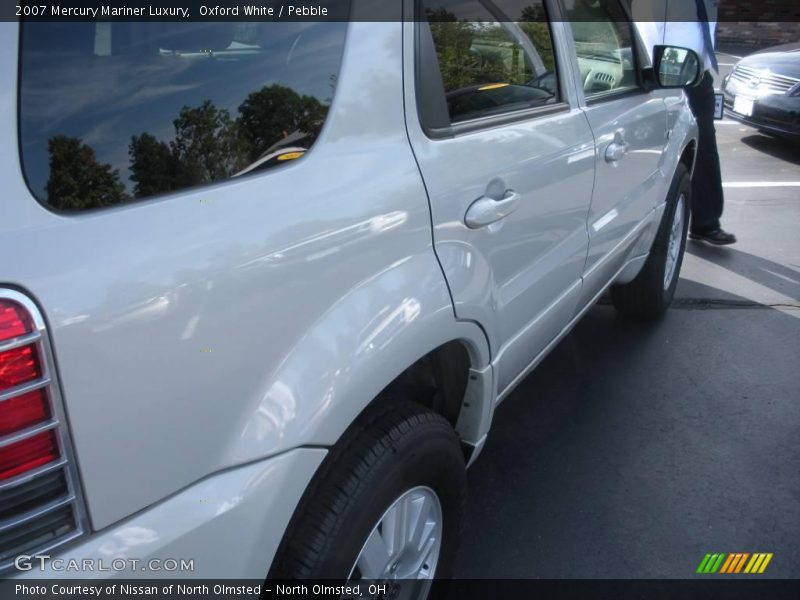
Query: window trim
column 430, row 95
column 618, row 94
column 493, row 121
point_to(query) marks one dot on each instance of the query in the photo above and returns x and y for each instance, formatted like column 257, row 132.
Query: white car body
column 211, row 346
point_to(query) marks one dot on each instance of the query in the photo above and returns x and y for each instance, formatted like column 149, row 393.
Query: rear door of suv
column 508, row 160
column 630, row 127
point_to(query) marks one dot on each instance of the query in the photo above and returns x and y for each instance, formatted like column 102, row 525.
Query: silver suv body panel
column 230, row 323
column 224, row 325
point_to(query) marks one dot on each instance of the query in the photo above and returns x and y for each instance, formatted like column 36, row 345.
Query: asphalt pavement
column 633, row 449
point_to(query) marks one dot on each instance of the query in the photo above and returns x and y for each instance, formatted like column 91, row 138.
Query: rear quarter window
column 112, row 113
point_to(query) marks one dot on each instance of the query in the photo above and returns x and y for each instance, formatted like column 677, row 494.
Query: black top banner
column 364, row 10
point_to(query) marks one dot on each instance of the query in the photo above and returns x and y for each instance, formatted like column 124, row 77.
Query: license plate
column 743, row 105
column 719, row 106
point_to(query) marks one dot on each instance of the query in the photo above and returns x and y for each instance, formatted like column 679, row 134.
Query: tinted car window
column 604, row 44
column 113, row 112
column 485, row 67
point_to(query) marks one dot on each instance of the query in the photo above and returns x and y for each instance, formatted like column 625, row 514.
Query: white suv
column 264, row 283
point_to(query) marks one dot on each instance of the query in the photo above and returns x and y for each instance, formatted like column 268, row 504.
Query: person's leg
column 707, row 196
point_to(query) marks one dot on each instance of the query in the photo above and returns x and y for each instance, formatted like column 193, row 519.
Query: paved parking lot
column 633, row 450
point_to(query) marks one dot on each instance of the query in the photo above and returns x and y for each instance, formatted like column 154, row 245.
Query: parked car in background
column 257, row 308
column 763, row 90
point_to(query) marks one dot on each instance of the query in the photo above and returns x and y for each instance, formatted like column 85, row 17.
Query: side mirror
column 676, row 67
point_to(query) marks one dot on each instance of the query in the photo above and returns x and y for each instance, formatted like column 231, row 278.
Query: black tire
column 646, row 297
column 387, row 451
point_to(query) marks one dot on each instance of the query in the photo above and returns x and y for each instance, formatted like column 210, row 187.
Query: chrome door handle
column 486, row 211
column 616, row 151
column 618, row 148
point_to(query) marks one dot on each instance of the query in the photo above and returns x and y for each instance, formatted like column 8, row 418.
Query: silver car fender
column 342, row 363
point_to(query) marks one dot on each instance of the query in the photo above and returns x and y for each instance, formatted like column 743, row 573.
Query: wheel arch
column 395, row 333
column 451, row 381
column 689, row 156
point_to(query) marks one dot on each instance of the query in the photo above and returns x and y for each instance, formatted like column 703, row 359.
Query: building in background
column 758, row 24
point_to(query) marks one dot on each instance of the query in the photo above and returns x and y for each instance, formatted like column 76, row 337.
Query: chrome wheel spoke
column 374, row 557
column 419, row 566
column 406, row 541
column 419, row 513
column 674, row 243
column 393, row 527
column 423, row 538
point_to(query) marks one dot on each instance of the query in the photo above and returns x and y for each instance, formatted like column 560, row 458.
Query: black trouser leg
column 707, row 196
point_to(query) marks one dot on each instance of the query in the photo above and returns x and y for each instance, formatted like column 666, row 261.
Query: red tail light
column 18, row 366
column 28, row 454
column 14, row 321
column 41, row 502
column 24, row 400
column 23, row 411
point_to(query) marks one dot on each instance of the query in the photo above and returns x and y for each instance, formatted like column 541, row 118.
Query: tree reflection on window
column 111, row 113
column 484, row 66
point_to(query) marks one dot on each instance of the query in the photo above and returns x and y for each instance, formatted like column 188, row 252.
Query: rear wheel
column 386, row 505
column 651, row 293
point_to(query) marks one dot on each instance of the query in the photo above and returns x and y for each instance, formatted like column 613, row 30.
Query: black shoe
column 718, row 237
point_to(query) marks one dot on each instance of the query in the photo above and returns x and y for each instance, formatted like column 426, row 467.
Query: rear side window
column 492, row 62
column 115, row 112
